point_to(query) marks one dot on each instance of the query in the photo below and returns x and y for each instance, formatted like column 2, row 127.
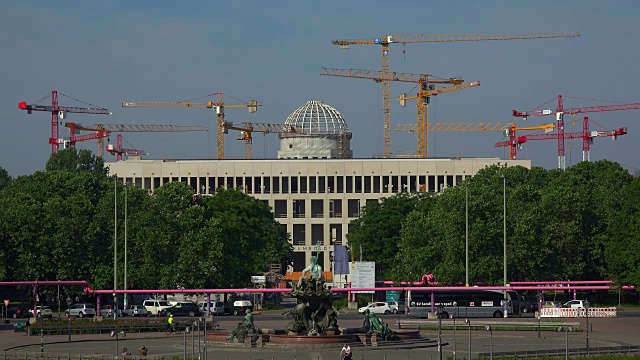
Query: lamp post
column 586, row 310
column 439, row 314
column 504, row 229
column 468, row 322
column 68, row 318
column 454, row 336
column 115, row 247
column 117, row 334
column 125, row 244
column 566, row 329
column 466, row 225
column 490, row 330
column 186, row 331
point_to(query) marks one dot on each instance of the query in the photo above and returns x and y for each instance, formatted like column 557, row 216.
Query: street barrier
column 578, row 313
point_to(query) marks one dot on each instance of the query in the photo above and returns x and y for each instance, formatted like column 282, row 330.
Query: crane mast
column 385, row 41
column 218, row 107
column 559, row 113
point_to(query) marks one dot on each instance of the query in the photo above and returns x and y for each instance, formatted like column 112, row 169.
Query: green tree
column 77, row 160
column 251, row 237
column 377, row 230
column 5, row 178
column 621, row 254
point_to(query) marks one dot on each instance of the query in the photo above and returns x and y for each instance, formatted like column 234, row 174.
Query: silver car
column 81, row 310
column 135, row 310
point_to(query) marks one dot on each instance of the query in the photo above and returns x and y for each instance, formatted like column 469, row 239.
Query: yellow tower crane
column 218, row 106
column 385, row 41
column 427, row 90
column 507, row 129
column 263, row 128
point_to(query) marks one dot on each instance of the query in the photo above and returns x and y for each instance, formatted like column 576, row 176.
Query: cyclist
column 170, row 321
column 346, row 353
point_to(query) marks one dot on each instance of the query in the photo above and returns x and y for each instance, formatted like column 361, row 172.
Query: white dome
column 316, row 117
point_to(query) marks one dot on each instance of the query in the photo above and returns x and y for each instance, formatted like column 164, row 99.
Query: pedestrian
column 346, row 353
column 125, row 352
column 143, row 351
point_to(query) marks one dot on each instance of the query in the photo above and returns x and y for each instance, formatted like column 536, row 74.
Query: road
column 624, row 330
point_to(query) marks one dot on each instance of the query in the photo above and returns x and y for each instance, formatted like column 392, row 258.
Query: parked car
column 550, row 304
column 238, row 307
column 394, row 306
column 154, row 306
column 107, row 310
column 377, row 308
column 574, row 304
column 81, row 310
column 215, row 307
column 42, row 311
column 181, row 309
column 18, row 311
column 527, row 306
column 135, row 310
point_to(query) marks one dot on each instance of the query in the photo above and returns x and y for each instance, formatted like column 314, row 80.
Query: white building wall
column 357, row 184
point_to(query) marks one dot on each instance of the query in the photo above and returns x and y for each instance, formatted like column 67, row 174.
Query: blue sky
column 105, row 53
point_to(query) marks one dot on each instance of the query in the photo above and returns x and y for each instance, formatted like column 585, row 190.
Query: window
column 317, row 234
column 335, row 208
column 317, row 208
column 299, row 235
column 303, row 184
column 280, row 208
column 298, row 209
column 353, row 208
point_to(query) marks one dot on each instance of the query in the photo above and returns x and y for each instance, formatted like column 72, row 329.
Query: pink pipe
column 56, row 282
column 561, row 282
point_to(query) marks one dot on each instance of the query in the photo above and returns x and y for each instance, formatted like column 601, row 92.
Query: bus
column 461, row 303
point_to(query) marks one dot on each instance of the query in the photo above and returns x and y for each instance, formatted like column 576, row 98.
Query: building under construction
column 315, row 187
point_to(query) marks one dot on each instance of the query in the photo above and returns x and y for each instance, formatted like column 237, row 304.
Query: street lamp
column 115, row 246
column 490, row 330
column 117, row 334
column 566, row 329
column 586, row 310
column 454, row 336
column 186, row 331
column 468, row 322
column 466, row 225
column 125, row 244
column 69, row 318
column 439, row 314
column 504, row 226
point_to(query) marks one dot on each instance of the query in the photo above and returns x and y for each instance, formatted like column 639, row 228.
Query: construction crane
column 118, row 150
column 58, row 113
column 218, row 106
column 427, row 90
column 102, row 131
column 264, row 128
column 422, row 111
column 586, row 135
column 561, row 110
column 509, row 129
column 385, row 41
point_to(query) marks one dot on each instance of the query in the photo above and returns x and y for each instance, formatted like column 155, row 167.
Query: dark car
column 182, row 309
column 528, row 306
column 17, row 311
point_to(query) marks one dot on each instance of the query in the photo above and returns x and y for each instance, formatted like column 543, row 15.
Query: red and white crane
column 561, row 110
column 586, row 135
column 58, row 113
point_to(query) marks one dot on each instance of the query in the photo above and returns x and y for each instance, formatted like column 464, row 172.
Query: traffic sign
column 6, row 302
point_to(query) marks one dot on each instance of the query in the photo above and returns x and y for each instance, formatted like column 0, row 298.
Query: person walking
column 346, row 353
column 170, row 321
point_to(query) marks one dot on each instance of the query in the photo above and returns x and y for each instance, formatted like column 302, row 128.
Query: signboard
column 6, row 302
column 363, row 275
column 393, row 296
column 258, row 279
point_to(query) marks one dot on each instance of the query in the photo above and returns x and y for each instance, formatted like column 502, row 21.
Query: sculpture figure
column 244, row 328
column 377, row 326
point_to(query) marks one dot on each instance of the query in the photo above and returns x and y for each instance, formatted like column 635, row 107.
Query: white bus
column 461, row 303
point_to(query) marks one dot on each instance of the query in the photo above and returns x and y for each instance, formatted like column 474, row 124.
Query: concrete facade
column 314, row 199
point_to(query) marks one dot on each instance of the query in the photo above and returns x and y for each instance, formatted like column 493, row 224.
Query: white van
column 216, row 307
column 154, row 306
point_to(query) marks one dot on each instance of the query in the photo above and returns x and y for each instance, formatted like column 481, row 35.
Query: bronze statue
column 377, row 326
column 245, row 328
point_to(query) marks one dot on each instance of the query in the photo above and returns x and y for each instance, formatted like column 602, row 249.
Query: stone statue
column 313, row 314
column 377, row 326
column 244, row 328
column 315, row 271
